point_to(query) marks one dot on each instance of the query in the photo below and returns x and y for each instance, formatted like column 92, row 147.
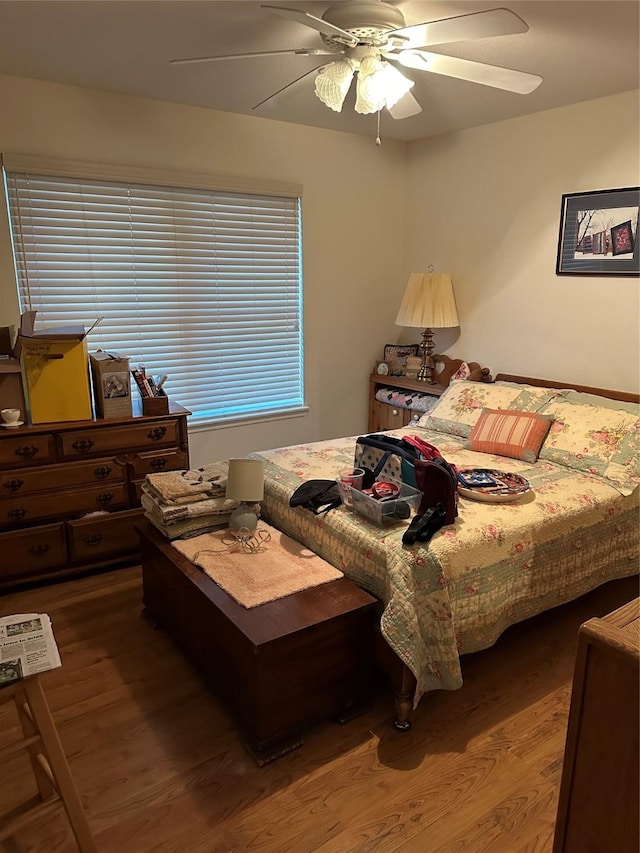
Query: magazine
column 27, row 646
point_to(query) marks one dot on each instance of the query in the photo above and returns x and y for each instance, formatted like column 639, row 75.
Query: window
column 203, row 284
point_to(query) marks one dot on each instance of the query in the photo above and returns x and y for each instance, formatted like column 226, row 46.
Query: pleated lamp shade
column 428, row 302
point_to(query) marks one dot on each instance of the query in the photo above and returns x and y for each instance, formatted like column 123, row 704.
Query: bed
column 499, row 563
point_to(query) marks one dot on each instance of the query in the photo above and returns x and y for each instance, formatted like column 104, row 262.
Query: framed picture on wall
column 599, row 233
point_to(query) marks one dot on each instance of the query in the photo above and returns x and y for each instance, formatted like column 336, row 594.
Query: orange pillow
column 507, row 433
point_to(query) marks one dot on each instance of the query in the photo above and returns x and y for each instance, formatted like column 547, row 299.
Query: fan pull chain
column 378, row 140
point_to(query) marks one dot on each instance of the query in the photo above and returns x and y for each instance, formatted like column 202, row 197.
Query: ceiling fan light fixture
column 333, row 82
column 379, row 85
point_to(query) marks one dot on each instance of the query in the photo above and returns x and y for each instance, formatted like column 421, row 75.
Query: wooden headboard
column 445, row 367
column 624, row 396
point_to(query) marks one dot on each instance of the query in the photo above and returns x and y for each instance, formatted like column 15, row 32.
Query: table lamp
column 245, row 483
column 428, row 303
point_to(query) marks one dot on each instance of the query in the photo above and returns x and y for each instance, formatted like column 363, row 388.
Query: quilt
column 497, row 565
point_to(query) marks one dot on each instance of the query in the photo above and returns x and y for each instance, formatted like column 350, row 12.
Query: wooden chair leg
column 46, row 788
column 57, row 760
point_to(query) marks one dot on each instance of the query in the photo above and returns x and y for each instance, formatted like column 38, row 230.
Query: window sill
column 235, row 420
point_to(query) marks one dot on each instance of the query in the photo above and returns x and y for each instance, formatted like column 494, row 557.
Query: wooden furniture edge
column 604, row 634
column 623, row 396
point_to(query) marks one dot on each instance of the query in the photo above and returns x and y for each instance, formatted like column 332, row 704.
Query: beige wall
column 484, row 204
column 353, row 227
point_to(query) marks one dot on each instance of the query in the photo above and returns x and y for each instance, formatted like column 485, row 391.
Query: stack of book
column 147, row 385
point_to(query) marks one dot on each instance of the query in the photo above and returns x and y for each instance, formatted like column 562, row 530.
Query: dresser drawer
column 26, row 450
column 104, row 536
column 27, row 553
column 48, row 477
column 23, row 509
column 154, row 462
column 104, row 440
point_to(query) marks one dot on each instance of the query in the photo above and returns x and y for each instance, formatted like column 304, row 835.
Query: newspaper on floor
column 27, row 646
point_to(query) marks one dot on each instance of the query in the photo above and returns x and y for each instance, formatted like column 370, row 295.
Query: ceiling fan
column 369, row 37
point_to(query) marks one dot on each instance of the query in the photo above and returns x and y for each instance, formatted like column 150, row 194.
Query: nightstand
column 383, row 415
column 386, row 415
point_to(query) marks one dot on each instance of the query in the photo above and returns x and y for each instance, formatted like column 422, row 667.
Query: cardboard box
column 111, row 384
column 11, row 393
column 55, row 369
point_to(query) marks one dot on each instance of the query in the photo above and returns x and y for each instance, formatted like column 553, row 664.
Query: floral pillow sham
column 460, row 406
column 598, row 440
column 579, row 397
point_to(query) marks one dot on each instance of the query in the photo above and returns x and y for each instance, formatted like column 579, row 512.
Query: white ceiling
column 583, row 49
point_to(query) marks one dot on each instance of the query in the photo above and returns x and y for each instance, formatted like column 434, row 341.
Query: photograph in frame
column 396, row 356
column 599, row 233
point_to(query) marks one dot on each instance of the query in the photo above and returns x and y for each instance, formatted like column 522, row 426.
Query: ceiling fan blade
column 284, row 88
column 520, row 82
column 256, row 54
column 317, row 24
column 407, row 106
column 477, row 25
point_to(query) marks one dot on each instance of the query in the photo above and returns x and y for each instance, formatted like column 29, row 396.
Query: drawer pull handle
column 38, row 550
column 93, row 539
column 395, row 412
column 103, row 471
column 159, row 463
column 13, row 485
column 17, row 513
column 82, row 445
column 157, row 433
column 27, row 452
column 105, row 498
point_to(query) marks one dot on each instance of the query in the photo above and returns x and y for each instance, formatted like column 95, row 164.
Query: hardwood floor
column 159, row 767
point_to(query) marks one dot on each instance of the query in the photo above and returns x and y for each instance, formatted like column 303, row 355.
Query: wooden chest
column 280, row 666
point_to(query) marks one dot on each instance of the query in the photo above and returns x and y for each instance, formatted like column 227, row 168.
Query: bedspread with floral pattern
column 497, row 565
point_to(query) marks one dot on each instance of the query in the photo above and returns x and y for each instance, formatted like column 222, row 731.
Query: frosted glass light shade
column 332, row 83
column 428, row 302
column 379, row 85
column 245, row 480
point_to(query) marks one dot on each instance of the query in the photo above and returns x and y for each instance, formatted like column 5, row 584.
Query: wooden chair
column 50, row 768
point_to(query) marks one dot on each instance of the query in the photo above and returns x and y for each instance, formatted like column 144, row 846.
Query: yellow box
column 55, row 369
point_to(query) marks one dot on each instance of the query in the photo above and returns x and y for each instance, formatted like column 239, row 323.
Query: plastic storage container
column 389, row 511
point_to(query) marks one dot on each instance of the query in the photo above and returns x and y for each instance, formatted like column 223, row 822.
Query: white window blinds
column 201, row 284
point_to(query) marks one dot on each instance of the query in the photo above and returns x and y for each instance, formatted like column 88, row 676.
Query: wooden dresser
column 70, row 492
column 598, row 809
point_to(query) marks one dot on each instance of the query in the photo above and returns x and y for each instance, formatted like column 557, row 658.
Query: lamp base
column 243, row 521
column 427, row 368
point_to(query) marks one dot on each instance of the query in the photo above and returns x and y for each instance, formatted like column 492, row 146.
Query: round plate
column 13, row 425
column 509, row 486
